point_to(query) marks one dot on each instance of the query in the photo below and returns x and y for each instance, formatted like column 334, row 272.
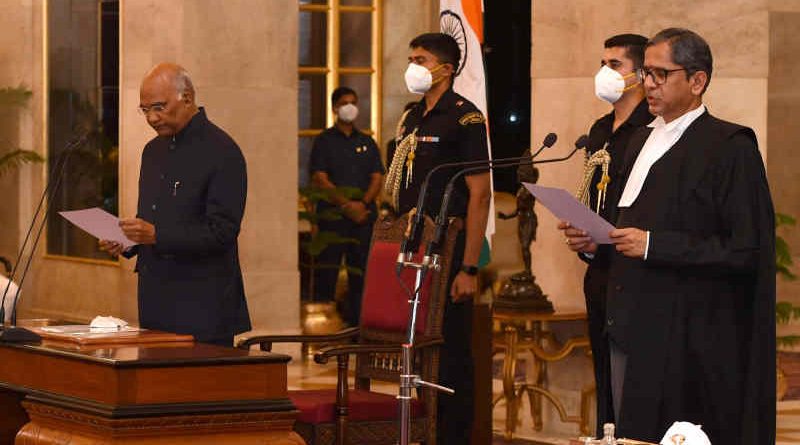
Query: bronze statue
column 521, row 290
column 527, row 223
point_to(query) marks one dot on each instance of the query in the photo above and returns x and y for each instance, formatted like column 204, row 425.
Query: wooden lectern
column 145, row 387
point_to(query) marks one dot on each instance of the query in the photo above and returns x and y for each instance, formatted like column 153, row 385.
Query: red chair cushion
column 317, row 406
column 385, row 302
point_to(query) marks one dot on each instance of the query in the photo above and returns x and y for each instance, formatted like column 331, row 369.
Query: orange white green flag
column 463, row 19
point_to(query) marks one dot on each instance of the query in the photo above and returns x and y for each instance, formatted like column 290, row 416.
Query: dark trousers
column 594, row 287
column 456, row 370
column 355, row 256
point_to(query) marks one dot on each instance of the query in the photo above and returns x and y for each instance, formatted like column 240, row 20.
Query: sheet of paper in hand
column 565, row 207
column 98, row 223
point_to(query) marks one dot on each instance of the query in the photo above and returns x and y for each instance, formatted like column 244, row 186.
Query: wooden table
column 158, row 390
column 528, row 331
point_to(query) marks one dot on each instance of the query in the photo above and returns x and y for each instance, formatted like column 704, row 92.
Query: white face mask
column 609, row 84
column 347, row 113
column 418, row 79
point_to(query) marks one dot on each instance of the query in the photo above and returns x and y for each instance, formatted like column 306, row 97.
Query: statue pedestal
column 521, row 292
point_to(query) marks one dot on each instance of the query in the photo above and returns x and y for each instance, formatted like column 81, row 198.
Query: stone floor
column 305, row 374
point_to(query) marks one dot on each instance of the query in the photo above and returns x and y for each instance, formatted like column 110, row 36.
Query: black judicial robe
column 697, row 318
column 193, row 189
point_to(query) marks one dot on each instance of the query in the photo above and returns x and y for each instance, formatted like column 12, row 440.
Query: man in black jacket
column 192, row 191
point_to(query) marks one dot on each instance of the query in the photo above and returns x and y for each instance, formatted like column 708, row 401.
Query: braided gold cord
column 599, row 158
column 395, row 174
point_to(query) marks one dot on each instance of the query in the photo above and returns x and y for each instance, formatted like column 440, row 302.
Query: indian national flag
column 463, row 19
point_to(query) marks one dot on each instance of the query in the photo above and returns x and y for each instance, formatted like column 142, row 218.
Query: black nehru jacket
column 193, row 188
column 453, row 131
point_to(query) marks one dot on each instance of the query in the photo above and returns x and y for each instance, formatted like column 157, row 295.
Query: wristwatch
column 469, row 270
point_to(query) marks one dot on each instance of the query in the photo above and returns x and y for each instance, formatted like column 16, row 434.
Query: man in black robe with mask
column 691, row 291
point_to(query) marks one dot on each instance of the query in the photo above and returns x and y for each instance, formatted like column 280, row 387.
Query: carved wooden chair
column 358, row 415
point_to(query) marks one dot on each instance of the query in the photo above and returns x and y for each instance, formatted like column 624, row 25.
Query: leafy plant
column 322, row 239
column 12, row 98
column 784, row 310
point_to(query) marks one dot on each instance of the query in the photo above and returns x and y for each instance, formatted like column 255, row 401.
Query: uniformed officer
column 618, row 84
column 343, row 156
column 445, row 127
column 192, row 192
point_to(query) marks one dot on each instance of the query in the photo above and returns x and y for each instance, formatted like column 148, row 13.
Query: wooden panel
column 205, row 383
column 83, row 380
column 51, row 426
column 145, row 374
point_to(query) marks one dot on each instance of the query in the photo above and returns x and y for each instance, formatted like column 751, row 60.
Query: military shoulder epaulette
column 473, row 117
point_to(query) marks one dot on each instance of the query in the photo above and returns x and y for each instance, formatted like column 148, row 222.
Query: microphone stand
column 411, row 238
column 431, row 260
column 12, row 333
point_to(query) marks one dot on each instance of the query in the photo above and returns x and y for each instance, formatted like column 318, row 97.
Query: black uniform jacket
column 193, row 189
column 697, row 318
column 454, row 130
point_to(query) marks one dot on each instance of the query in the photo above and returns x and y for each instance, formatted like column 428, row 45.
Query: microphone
column 441, row 218
column 413, row 231
column 12, row 333
column 548, row 142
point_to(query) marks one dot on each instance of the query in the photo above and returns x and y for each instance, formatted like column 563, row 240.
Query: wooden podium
column 146, row 387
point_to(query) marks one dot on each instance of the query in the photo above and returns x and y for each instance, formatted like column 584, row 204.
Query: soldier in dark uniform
column 445, row 127
column 192, row 191
column 343, row 156
column 618, row 84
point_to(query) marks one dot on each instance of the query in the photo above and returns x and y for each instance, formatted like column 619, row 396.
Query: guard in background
column 343, row 156
column 617, row 83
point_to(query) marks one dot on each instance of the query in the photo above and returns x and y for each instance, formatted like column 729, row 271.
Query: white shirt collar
column 660, row 140
column 681, row 123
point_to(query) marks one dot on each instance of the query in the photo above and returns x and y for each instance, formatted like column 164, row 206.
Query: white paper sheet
column 565, row 207
column 98, row 223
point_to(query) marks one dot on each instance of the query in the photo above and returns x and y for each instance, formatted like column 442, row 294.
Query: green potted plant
column 12, row 99
column 12, row 157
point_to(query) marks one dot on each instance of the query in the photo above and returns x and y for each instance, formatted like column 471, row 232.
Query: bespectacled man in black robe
column 691, row 290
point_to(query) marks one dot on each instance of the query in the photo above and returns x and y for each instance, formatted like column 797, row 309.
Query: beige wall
column 784, row 134
column 403, row 20
column 236, row 52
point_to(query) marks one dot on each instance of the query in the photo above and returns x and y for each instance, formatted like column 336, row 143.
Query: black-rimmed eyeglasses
column 659, row 75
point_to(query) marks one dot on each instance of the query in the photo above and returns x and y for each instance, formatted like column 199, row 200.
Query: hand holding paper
column 565, row 207
column 100, row 224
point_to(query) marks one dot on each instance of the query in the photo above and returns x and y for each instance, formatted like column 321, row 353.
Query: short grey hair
column 688, row 50
column 183, row 83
